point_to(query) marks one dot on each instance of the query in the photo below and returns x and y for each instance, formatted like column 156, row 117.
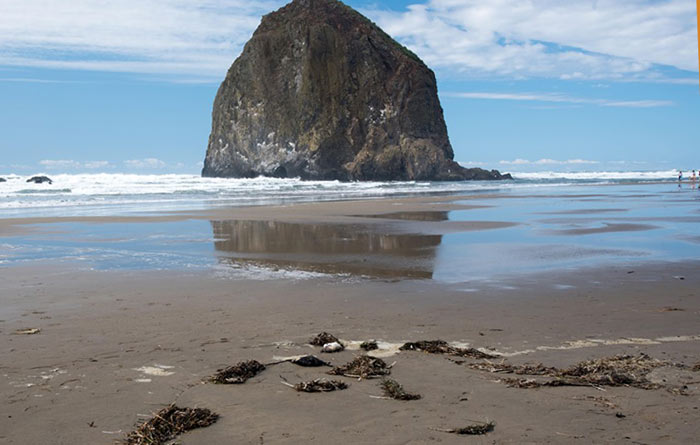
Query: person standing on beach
column 680, row 176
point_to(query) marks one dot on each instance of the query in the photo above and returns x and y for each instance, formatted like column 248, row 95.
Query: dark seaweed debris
column 442, row 347
column 323, row 338
column 309, row 361
column 238, row 373
column 170, row 422
column 394, row 390
column 619, row 370
column 364, row 367
column 477, row 429
column 369, row 345
column 320, row 385
column 527, row 369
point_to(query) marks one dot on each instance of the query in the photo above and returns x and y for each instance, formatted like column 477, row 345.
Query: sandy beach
column 116, row 344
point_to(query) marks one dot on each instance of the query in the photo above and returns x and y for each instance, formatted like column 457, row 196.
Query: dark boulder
column 321, row 92
column 40, row 179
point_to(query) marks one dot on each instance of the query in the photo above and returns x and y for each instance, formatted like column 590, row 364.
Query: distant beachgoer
column 680, row 176
column 693, row 177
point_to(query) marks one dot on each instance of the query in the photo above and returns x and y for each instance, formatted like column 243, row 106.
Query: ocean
column 538, row 222
column 110, row 194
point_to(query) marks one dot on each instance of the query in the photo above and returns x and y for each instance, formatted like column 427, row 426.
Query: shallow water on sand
column 558, row 228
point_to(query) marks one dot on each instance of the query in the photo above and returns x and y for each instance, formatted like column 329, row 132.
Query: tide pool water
column 550, row 228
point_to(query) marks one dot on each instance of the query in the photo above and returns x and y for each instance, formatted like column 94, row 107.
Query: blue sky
column 94, row 86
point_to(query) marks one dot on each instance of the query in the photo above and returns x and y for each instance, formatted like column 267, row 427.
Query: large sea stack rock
column 320, row 92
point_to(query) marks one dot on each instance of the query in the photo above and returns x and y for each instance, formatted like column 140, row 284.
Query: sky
column 526, row 85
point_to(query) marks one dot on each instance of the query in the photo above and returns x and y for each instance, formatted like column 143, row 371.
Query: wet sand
column 85, row 377
column 115, row 346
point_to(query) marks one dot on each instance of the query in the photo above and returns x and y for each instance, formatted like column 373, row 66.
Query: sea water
column 556, row 221
column 122, row 194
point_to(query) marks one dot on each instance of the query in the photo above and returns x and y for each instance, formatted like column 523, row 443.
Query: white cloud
column 546, row 161
column 560, row 98
column 69, row 164
column 602, row 39
column 147, row 163
column 60, row 163
column 143, row 36
column 588, row 39
column 96, row 164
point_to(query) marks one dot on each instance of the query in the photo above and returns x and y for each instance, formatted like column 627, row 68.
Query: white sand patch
column 386, row 349
column 155, row 370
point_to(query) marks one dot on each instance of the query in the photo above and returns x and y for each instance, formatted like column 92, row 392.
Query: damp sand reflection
column 325, row 248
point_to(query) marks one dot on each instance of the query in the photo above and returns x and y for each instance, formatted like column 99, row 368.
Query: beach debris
column 27, row 331
column 332, row 347
column 527, row 369
column 369, row 345
column 328, row 342
column 671, row 309
column 363, row 367
column 324, row 338
column 319, row 385
column 696, row 367
column 393, row 389
column 442, row 347
column 620, row 415
column 238, row 373
column 170, row 422
column 475, row 429
column 619, row 370
column 309, row 361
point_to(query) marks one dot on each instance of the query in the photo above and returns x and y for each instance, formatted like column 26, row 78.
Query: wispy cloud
column 141, row 36
column 560, row 98
column 147, row 163
column 589, row 39
column 68, row 164
column 33, row 80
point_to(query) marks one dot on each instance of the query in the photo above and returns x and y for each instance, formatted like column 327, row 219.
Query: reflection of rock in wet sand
column 431, row 216
column 327, row 248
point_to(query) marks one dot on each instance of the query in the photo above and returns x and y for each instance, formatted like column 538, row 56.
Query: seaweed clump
column 369, row 345
column 394, row 390
column 476, row 429
column 363, row 367
column 170, row 422
column 527, row 369
column 320, row 385
column 238, row 373
column 324, row 338
column 619, row 370
column 442, row 347
column 309, row 361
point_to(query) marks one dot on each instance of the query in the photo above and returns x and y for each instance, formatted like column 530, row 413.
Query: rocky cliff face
column 320, row 92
